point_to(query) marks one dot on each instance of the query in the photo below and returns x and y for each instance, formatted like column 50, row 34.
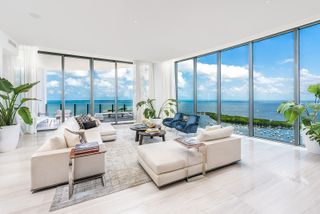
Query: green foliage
column 149, row 112
column 308, row 113
column 10, row 105
column 245, row 121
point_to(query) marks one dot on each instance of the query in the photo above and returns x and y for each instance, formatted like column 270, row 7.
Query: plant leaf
column 25, row 114
column 5, row 85
column 23, row 100
column 24, row 88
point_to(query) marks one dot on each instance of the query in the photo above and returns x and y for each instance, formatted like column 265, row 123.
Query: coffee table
column 161, row 133
column 141, row 128
column 72, row 162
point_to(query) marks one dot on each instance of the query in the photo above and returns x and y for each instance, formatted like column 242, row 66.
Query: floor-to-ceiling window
column 309, row 61
column 125, row 75
column 50, row 66
column 273, row 61
column 77, row 86
column 104, row 94
column 207, row 86
column 235, row 88
column 185, row 83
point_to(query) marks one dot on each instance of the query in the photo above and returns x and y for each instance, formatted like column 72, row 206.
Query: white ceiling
column 147, row 29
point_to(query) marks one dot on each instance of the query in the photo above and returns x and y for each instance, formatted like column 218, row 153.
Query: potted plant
column 309, row 114
column 167, row 108
column 10, row 106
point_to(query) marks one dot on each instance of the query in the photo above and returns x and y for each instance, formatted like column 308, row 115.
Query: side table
column 197, row 147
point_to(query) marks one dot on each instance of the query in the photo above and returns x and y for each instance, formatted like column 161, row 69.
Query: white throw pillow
column 71, row 124
column 215, row 134
column 54, row 143
column 71, row 139
column 211, row 128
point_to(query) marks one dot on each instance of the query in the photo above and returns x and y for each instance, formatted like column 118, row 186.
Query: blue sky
column 77, row 84
column 273, row 70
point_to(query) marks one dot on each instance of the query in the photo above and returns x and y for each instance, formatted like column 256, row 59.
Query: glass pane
column 125, row 92
column 185, row 87
column 50, row 67
column 104, row 91
column 309, row 62
column 235, row 89
column 77, row 86
column 207, row 89
column 273, row 84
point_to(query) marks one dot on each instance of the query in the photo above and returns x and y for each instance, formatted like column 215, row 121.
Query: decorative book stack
column 152, row 130
column 86, row 148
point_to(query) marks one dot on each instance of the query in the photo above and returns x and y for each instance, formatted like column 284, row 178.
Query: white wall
column 164, row 79
column 7, row 52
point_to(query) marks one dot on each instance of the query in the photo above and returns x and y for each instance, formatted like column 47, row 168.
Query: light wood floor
column 271, row 178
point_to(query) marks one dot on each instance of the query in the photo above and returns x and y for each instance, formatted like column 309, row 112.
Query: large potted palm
column 12, row 104
column 309, row 114
column 167, row 108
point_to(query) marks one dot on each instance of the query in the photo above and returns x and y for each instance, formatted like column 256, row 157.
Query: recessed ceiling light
column 34, row 15
column 135, row 21
column 268, row 1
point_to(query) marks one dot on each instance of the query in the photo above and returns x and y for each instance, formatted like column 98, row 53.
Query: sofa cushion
column 215, row 134
column 211, row 128
column 54, row 143
column 89, row 124
column 82, row 119
column 92, row 135
column 71, row 138
column 71, row 124
column 106, row 129
column 168, row 156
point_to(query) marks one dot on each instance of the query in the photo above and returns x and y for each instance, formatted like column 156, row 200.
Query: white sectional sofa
column 167, row 162
column 50, row 163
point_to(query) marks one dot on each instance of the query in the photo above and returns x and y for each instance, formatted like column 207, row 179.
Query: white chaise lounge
column 167, row 162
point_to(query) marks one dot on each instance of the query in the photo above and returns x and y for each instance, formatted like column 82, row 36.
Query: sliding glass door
column 235, row 89
column 125, row 75
column 207, row 87
column 76, row 86
column 273, row 61
column 185, row 83
column 104, row 90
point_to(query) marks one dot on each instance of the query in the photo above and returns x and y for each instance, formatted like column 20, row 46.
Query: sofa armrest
column 49, row 167
column 223, row 152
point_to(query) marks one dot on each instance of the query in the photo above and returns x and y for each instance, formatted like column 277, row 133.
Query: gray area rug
column 122, row 171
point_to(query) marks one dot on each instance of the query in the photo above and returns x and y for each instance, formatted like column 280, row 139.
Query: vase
column 311, row 145
column 9, row 137
column 157, row 121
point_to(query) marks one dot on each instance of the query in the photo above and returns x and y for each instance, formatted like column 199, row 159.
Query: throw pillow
column 215, row 134
column 81, row 119
column 98, row 122
column 53, row 143
column 210, row 128
column 73, row 138
column 89, row 124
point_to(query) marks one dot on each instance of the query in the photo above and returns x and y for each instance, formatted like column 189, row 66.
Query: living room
column 159, row 106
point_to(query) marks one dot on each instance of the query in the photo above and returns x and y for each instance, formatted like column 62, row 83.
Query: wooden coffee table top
column 142, row 128
column 160, row 133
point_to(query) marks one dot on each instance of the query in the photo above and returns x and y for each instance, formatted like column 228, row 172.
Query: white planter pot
column 311, row 145
column 157, row 121
column 9, row 137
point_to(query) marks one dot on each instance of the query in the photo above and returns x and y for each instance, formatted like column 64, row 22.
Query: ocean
column 78, row 107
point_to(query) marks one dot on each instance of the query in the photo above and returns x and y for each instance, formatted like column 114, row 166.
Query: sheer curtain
column 28, row 68
column 144, row 85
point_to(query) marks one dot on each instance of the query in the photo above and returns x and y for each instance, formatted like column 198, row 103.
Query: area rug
column 122, row 171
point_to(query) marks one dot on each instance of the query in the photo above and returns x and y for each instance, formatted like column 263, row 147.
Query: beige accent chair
column 167, row 162
column 50, row 163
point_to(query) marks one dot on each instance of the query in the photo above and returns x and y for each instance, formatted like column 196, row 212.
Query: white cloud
column 73, row 82
column 286, row 61
column 78, row 73
column 181, row 80
column 53, row 84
